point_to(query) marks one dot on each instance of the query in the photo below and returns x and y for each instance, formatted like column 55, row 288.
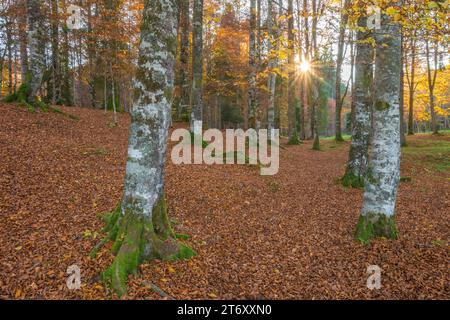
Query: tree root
column 136, row 239
column 375, row 225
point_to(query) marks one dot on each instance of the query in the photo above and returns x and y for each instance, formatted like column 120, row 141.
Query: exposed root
column 375, row 225
column 135, row 239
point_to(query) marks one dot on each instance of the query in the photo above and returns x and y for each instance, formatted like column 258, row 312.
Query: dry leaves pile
column 283, row 237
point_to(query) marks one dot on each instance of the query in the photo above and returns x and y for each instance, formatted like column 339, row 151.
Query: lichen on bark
column 361, row 120
column 380, row 187
column 139, row 228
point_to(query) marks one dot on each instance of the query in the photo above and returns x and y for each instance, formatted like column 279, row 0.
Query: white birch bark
column 36, row 46
column 377, row 214
column 147, row 144
column 197, row 68
column 362, row 95
column 271, row 81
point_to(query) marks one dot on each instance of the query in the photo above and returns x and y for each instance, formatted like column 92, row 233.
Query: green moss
column 382, row 105
column 375, row 225
column 294, row 140
column 351, row 180
column 137, row 238
column 184, row 253
column 182, row 236
column 339, row 138
column 405, row 179
column 316, row 144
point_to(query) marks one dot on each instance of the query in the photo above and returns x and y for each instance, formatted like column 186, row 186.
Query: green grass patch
column 433, row 154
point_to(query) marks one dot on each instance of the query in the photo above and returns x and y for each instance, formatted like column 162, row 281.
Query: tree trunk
column 66, row 90
column 402, row 91
column 292, row 123
column 183, row 73
column 23, row 41
column 431, row 76
column 140, row 226
column 37, row 51
column 361, row 124
column 197, row 69
column 56, row 81
column 271, row 81
column 315, row 79
column 9, row 44
column 412, row 86
column 252, row 56
column 339, row 61
column 378, row 212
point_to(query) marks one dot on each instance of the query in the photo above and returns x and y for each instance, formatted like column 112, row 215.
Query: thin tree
column 362, row 96
column 56, row 78
column 271, row 80
column 183, row 72
column 410, row 78
column 252, row 56
column 339, row 61
column 22, row 20
column 431, row 77
column 293, row 135
column 197, row 68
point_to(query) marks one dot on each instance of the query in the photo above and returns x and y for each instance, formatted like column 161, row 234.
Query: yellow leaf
column 391, row 11
column 171, row 269
column 18, row 248
column 18, row 293
column 212, row 295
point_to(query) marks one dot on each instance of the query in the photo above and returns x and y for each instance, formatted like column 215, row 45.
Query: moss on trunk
column 22, row 97
column 351, row 180
column 137, row 238
column 375, row 225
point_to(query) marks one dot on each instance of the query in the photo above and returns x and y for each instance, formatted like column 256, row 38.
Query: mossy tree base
column 135, row 239
column 351, row 180
column 294, row 140
column 375, row 225
column 316, row 144
column 22, row 97
column 339, row 138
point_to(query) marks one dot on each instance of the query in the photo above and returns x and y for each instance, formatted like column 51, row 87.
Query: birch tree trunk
column 23, row 40
column 31, row 85
column 252, row 66
column 431, row 77
column 315, row 79
column 67, row 95
column 140, row 226
column 362, row 94
column 9, row 45
column 56, row 81
column 378, row 212
column 184, row 56
column 197, row 68
column 292, row 123
column 271, row 81
column 411, row 85
column 402, row 100
column 339, row 61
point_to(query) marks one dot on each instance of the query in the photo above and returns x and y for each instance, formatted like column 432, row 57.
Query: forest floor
column 288, row 236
